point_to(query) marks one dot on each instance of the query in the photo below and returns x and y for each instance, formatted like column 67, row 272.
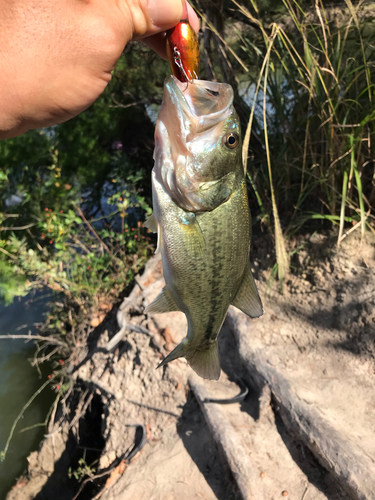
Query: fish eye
column 231, row 140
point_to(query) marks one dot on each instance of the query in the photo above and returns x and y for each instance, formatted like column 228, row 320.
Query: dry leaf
column 105, row 306
column 115, row 474
column 167, row 334
column 97, row 319
column 169, row 346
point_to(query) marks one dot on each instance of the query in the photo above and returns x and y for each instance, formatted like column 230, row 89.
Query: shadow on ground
column 63, row 483
column 200, row 445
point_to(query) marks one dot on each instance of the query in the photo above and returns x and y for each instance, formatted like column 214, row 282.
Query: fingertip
column 193, row 18
column 157, row 41
column 184, row 14
column 164, row 14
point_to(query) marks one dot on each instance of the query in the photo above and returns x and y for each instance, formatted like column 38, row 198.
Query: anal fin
column 164, row 302
column 247, row 298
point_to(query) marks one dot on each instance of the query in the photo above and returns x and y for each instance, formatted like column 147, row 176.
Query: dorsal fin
column 247, row 298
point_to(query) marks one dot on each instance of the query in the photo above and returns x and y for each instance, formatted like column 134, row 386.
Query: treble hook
column 177, row 60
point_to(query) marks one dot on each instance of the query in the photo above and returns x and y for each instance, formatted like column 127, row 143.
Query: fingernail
column 184, row 14
column 165, row 13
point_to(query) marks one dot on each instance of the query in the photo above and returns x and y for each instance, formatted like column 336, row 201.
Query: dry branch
column 51, row 340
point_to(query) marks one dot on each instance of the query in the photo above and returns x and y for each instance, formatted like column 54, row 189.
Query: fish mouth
column 188, row 137
column 204, row 104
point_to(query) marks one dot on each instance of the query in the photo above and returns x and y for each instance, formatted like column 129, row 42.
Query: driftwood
column 238, row 460
column 344, row 459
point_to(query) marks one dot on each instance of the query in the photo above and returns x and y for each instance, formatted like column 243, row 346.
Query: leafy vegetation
column 71, row 194
column 303, row 77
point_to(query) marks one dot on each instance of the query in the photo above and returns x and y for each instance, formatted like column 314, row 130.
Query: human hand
column 56, row 57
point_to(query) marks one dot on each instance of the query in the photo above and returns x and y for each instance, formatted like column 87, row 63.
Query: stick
column 52, row 340
column 121, row 333
column 20, row 415
column 154, row 408
column 93, row 231
column 305, row 493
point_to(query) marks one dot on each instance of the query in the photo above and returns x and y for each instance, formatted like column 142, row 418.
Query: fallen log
column 243, row 470
column 347, row 462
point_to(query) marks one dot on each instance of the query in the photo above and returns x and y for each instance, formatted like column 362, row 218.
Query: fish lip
column 177, row 89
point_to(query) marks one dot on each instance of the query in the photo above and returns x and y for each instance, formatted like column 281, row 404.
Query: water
column 18, row 382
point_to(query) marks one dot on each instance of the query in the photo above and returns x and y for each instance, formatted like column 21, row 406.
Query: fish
column 201, row 216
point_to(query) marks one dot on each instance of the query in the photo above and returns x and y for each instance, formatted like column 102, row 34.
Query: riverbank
column 320, row 335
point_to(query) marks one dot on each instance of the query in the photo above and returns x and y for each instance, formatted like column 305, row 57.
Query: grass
column 86, row 263
column 310, row 133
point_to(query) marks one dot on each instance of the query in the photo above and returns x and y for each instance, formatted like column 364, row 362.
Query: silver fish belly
column 203, row 227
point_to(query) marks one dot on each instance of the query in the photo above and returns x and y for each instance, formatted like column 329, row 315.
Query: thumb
column 149, row 17
column 165, row 13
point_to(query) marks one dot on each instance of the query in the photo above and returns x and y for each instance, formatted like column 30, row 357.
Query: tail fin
column 205, row 363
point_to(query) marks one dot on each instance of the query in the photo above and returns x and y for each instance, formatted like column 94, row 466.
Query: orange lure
column 183, row 51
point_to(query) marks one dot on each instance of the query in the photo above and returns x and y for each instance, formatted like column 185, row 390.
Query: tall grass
column 314, row 122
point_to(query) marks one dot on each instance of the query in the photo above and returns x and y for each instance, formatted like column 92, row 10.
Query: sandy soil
column 320, row 332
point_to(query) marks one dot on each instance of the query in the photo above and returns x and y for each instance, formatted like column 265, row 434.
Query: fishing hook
column 177, row 60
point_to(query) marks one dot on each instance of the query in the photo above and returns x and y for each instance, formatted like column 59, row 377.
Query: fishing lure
column 183, row 50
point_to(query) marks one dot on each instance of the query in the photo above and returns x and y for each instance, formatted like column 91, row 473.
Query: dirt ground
column 319, row 332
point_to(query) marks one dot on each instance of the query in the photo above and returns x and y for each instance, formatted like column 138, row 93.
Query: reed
column 312, row 115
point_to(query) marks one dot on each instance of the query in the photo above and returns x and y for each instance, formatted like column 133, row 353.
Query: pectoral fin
column 159, row 242
column 247, row 298
column 164, row 302
column 152, row 224
column 193, row 236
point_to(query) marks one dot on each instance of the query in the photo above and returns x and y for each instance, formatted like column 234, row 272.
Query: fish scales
column 206, row 284
column 203, row 224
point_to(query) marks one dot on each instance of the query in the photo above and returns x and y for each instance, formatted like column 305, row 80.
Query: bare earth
column 320, row 334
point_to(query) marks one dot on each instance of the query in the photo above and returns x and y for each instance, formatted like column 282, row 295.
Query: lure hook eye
column 231, row 140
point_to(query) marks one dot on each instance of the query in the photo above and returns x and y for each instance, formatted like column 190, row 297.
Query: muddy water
column 18, row 382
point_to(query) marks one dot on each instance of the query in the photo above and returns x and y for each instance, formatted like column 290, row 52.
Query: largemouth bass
column 202, row 217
